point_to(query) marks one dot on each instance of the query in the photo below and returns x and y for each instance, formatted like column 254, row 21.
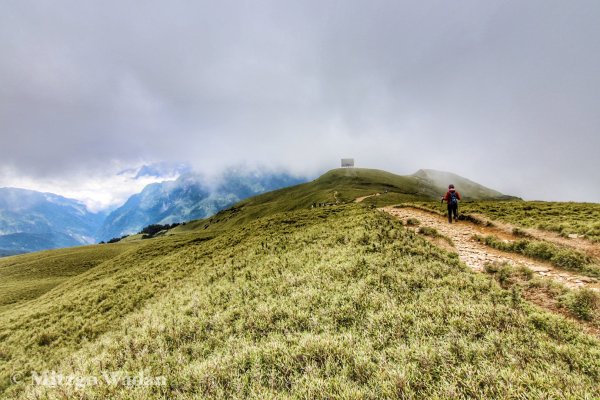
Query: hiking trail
column 360, row 199
column 476, row 255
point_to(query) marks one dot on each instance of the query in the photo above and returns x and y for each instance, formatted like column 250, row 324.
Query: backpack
column 453, row 199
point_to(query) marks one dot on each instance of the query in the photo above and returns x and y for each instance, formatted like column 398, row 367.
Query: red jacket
column 446, row 197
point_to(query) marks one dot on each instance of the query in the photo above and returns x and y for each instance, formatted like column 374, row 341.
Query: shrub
column 428, row 231
column 45, row 339
column 155, row 228
column 527, row 273
column 569, row 259
column 504, row 275
column 413, row 222
column 364, row 239
column 521, row 246
column 515, row 296
column 491, row 267
column 520, row 232
column 583, row 303
column 538, row 249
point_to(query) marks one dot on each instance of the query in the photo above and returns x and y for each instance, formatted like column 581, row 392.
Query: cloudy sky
column 506, row 93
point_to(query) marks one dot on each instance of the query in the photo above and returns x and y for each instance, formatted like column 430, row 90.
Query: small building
column 347, row 162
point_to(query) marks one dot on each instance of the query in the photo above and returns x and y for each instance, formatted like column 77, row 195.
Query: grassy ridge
column 330, row 302
column 337, row 186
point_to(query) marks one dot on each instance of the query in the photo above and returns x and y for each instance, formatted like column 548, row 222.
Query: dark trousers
column 452, row 209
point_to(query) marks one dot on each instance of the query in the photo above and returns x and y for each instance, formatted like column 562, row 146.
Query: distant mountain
column 158, row 170
column 434, row 183
column 32, row 221
column 189, row 197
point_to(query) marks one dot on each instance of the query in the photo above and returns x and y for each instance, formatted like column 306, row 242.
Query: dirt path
column 360, row 199
column 476, row 254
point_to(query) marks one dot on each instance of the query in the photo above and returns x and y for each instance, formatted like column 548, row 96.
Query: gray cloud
column 503, row 92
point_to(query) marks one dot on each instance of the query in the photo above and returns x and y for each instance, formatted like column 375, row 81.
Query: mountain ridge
column 28, row 219
column 344, row 185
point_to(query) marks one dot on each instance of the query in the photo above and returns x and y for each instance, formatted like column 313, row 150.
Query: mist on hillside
column 501, row 92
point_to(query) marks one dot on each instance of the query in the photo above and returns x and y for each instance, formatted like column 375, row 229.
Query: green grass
column 334, row 302
column 559, row 256
column 26, row 277
column 581, row 303
column 49, row 327
column 563, row 218
column 432, row 232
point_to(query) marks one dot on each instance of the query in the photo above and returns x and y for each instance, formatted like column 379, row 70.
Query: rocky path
column 476, row 254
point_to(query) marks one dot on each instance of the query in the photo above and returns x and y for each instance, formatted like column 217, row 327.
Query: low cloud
column 504, row 93
column 98, row 190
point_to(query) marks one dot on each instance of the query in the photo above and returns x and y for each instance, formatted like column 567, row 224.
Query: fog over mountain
column 504, row 92
column 189, row 197
column 32, row 221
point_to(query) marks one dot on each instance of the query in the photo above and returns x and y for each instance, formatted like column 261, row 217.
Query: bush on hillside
column 413, row 222
column 583, row 303
column 151, row 230
column 117, row 239
column 428, row 231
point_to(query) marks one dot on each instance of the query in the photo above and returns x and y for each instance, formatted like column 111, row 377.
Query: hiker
column 452, row 197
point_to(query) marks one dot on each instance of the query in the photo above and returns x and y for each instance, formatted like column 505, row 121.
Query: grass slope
column 28, row 276
column 327, row 302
